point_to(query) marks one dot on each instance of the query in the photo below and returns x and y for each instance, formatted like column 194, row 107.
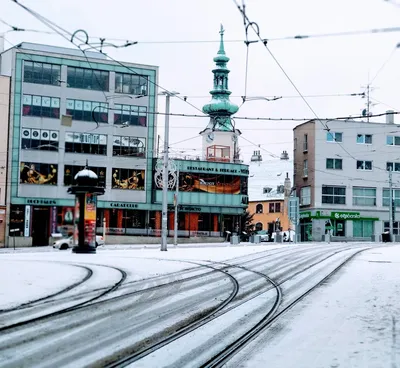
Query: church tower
column 220, row 138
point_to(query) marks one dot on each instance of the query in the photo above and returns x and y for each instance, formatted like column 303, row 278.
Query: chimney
column 256, row 156
column 389, row 117
column 288, row 186
column 284, row 155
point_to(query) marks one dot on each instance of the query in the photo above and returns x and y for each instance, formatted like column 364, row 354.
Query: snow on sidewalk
column 353, row 321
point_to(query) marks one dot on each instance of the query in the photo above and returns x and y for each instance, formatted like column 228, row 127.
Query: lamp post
column 164, row 215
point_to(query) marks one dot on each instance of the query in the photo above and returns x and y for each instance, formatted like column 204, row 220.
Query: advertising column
column 76, row 221
column 90, row 218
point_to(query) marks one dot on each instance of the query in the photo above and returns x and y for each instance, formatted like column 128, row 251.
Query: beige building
column 4, row 117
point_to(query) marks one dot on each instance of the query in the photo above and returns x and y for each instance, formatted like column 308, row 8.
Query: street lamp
column 164, row 218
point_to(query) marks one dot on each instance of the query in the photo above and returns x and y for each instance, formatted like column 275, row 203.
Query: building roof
column 268, row 174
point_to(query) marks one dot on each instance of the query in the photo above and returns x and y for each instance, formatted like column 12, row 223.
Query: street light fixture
column 164, row 218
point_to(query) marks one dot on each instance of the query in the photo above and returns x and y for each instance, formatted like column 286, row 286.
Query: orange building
column 269, row 191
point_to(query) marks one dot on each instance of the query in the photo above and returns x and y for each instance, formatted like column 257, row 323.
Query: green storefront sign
column 346, row 215
column 305, row 215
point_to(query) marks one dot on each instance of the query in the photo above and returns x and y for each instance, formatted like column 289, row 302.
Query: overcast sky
column 317, row 66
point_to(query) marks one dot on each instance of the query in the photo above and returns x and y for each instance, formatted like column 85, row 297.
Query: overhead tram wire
column 56, row 28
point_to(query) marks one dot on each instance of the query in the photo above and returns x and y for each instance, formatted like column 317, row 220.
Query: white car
column 66, row 243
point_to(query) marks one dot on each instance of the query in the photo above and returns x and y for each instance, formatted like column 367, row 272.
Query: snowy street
column 329, row 305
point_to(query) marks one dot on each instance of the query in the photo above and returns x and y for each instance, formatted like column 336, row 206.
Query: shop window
column 259, row 208
column 132, row 84
column 95, row 144
column 88, row 79
column 363, row 229
column 129, row 146
column 364, row 196
column 40, row 139
column 244, row 185
column 71, row 170
column 274, row 207
column 333, row 195
column 38, row 173
column 88, row 111
column 17, row 216
column 130, row 115
column 134, row 219
column 42, row 73
column 41, row 106
column 128, row 179
column 209, row 183
column 396, row 227
column 259, row 226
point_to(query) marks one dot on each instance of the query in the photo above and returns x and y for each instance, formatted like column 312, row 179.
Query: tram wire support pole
column 164, row 215
column 391, row 205
column 176, row 202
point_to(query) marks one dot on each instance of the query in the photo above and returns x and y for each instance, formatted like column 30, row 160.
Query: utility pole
column 164, row 215
column 390, row 204
column 176, row 200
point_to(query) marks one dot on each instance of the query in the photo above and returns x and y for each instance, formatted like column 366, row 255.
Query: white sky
column 326, row 65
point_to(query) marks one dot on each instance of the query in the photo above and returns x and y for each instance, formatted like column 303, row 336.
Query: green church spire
column 220, row 108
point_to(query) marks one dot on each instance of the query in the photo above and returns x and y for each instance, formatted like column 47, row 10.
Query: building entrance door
column 339, row 228
column 40, row 226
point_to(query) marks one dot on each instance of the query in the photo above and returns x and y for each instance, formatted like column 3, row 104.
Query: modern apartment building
column 341, row 175
column 66, row 109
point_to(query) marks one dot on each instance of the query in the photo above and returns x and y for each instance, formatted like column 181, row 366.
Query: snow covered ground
column 350, row 321
column 353, row 321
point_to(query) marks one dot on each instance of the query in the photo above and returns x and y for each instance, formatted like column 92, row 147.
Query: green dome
column 220, row 108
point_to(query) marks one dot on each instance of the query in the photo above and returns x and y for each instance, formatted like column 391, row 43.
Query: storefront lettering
column 346, row 215
column 189, row 209
column 123, row 205
column 213, row 169
column 48, row 202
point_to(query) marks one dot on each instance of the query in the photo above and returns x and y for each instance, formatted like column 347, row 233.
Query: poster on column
column 76, row 221
column 90, row 218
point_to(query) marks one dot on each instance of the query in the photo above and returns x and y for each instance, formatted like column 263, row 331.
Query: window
column 334, row 163
column 133, row 115
column 131, row 84
column 41, row 139
column 71, row 170
column 393, row 140
column 364, row 138
column 386, row 199
column 129, row 146
column 259, row 226
column 46, row 107
column 364, row 196
column 305, row 196
column 364, row 165
column 333, row 195
column 394, row 166
column 363, row 229
column 84, row 110
column 243, row 185
column 87, row 79
column 128, row 179
column 334, row 137
column 95, row 144
column 17, row 216
column 305, row 143
column 42, row 73
column 259, row 208
column 274, row 207
column 305, row 168
column 37, row 173
column 396, row 227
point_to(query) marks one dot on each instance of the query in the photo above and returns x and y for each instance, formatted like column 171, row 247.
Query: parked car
column 264, row 237
column 66, row 243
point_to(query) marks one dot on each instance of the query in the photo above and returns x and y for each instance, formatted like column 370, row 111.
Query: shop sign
column 123, row 205
column 346, row 215
column 42, row 201
column 189, row 209
column 305, row 215
column 217, row 170
column 27, row 223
